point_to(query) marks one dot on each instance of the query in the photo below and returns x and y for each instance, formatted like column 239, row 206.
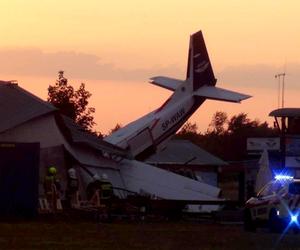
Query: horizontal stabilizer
column 214, row 93
column 166, row 82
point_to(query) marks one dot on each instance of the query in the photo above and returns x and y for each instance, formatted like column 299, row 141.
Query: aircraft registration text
column 173, row 119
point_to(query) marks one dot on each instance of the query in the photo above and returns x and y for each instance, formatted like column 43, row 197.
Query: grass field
column 129, row 235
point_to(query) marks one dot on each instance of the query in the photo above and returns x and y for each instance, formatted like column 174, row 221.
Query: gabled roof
column 286, row 112
column 78, row 135
column 18, row 106
column 183, row 152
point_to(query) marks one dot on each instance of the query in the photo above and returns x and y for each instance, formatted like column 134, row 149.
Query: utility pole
column 280, row 76
column 278, row 99
column 283, row 124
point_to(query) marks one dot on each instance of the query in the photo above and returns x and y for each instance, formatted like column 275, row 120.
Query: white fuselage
column 155, row 128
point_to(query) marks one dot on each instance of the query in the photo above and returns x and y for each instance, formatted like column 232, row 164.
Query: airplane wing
column 166, row 82
column 214, row 93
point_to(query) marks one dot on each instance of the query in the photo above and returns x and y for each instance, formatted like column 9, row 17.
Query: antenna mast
column 280, row 76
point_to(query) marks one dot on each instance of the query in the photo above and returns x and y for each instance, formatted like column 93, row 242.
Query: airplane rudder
column 202, row 72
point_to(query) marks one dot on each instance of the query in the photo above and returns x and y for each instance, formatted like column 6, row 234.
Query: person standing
column 106, row 190
column 72, row 188
column 101, row 188
column 93, row 187
column 52, row 188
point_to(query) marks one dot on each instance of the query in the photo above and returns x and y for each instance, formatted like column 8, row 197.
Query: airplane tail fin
column 199, row 69
column 200, row 77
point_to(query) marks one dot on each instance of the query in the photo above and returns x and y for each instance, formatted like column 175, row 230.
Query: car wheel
column 275, row 224
column 249, row 224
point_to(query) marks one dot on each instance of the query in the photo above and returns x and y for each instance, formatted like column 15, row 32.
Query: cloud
column 35, row 62
column 260, row 75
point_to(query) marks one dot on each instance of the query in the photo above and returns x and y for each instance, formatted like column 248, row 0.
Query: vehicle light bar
column 283, row 177
column 294, row 218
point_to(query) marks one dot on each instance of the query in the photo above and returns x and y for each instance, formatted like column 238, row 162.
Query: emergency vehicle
column 277, row 205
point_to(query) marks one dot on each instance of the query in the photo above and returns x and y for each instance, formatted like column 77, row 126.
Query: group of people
column 99, row 186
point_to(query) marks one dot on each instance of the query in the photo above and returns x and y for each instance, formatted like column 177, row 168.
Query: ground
column 138, row 235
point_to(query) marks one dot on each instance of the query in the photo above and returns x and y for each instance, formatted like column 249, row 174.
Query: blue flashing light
column 283, row 177
column 294, row 218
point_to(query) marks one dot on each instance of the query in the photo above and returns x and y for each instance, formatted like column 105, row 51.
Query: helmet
column 52, row 170
column 72, row 173
column 104, row 177
column 96, row 177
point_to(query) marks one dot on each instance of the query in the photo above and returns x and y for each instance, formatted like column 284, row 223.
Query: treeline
column 227, row 137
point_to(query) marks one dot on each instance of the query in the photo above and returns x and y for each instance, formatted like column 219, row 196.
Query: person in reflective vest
column 106, row 190
column 106, row 195
column 101, row 185
column 52, row 187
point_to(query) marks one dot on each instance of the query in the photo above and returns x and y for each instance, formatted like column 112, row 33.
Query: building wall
column 42, row 129
column 45, row 131
column 53, row 143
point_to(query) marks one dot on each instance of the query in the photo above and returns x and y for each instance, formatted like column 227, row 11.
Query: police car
column 277, row 205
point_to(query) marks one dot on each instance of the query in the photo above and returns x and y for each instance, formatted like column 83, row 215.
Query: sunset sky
column 116, row 46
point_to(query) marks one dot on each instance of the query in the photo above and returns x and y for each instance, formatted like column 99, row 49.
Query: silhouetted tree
column 188, row 128
column 116, row 128
column 189, row 131
column 72, row 103
column 218, row 123
column 240, row 122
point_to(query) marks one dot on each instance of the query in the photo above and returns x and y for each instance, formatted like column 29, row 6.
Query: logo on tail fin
column 201, row 67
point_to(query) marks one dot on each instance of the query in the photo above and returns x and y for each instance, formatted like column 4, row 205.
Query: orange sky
column 115, row 46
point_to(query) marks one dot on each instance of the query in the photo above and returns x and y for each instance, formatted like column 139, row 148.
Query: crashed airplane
column 151, row 132
column 31, row 124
